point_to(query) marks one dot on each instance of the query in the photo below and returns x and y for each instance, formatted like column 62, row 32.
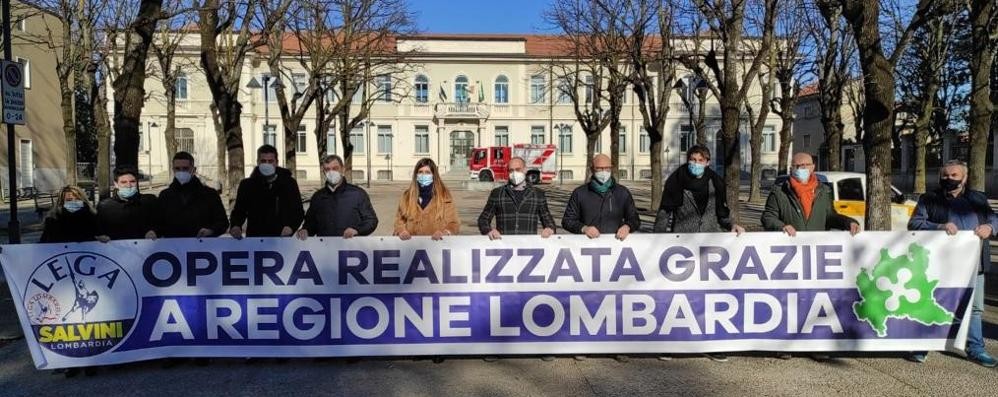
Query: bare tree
column 726, row 19
column 129, row 86
column 166, row 45
column 758, row 112
column 835, row 49
column 984, row 25
column 879, row 93
column 791, row 28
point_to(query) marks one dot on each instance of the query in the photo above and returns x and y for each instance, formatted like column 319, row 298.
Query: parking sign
column 13, row 92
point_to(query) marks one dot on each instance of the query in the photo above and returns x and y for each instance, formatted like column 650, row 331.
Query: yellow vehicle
column 849, row 190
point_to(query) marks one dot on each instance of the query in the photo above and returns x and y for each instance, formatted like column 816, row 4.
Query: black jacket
column 331, row 212
column 607, row 211
column 61, row 226
column 130, row 219
column 267, row 206
column 512, row 218
column 935, row 209
column 185, row 209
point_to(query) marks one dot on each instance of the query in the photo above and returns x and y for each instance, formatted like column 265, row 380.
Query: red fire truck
column 489, row 163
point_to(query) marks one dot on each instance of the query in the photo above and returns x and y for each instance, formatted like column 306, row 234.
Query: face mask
column 73, row 205
column 424, row 180
column 127, row 192
column 517, row 177
column 949, row 185
column 266, row 169
column 802, row 174
column 183, row 177
column 602, row 176
column 333, row 177
column 696, row 169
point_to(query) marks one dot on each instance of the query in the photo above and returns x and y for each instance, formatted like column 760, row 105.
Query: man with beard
column 269, row 201
column 338, row 209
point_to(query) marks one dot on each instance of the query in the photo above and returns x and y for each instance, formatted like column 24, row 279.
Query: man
column 338, row 209
column 516, row 206
column 127, row 214
column 953, row 207
column 693, row 199
column 269, row 201
column 188, row 208
column 601, row 206
column 802, row 203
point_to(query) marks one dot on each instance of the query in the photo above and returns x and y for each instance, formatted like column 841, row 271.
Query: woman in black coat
column 72, row 220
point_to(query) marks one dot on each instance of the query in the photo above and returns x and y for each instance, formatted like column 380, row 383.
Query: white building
column 518, row 105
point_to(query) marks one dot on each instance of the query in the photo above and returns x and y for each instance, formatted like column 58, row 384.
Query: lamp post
column 13, row 226
column 691, row 94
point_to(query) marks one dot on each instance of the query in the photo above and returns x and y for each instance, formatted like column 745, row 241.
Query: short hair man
column 953, row 207
column 601, row 205
column 127, row 214
column 517, row 206
column 269, row 201
column 188, row 208
column 338, row 209
column 802, row 203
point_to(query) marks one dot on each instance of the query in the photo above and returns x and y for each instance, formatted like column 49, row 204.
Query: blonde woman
column 427, row 207
column 72, row 220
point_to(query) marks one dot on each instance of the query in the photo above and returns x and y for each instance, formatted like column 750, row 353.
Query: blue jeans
column 975, row 332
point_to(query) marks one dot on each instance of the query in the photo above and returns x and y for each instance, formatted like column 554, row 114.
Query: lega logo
column 80, row 304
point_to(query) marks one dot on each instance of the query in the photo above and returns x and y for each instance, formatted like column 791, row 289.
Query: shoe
column 784, row 356
column 917, row 357
column 983, row 358
column 621, row 358
column 547, row 358
column 717, row 357
column 438, row 360
column 820, row 357
column 580, row 358
column 664, row 358
column 490, row 359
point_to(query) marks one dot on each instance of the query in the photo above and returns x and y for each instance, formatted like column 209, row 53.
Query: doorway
column 461, row 143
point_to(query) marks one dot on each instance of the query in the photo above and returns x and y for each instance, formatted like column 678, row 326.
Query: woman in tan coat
column 427, row 207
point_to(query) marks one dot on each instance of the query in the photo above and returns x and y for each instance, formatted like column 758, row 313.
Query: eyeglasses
column 803, row 165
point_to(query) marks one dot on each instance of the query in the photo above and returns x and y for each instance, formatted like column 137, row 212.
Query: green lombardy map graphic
column 900, row 288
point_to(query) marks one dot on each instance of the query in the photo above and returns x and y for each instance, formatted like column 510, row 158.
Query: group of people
column 268, row 203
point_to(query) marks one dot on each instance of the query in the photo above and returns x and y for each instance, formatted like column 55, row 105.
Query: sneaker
column 621, row 358
column 983, row 358
column 664, row 358
column 820, row 357
column 580, row 358
column 490, row 359
column 437, row 359
column 784, row 356
column 547, row 358
column 917, row 357
column 717, row 357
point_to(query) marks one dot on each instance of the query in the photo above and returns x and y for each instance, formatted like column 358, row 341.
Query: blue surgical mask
column 696, row 169
column 802, row 174
column 424, row 179
column 73, row 205
column 182, row 177
column 127, row 192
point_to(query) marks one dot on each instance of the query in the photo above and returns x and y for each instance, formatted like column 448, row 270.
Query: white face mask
column 266, row 169
column 333, row 177
column 602, row 176
column 517, row 177
column 183, row 177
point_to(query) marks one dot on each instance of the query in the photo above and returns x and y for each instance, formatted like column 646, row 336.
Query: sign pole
column 13, row 226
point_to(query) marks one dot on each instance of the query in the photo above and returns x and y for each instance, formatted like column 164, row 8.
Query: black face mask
column 949, row 185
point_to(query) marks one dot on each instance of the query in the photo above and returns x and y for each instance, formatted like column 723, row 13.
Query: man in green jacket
column 802, row 203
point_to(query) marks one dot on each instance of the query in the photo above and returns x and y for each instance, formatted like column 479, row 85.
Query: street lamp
column 254, row 84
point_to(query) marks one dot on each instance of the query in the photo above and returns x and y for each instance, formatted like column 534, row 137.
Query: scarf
column 425, row 195
column 681, row 180
column 805, row 193
column 601, row 188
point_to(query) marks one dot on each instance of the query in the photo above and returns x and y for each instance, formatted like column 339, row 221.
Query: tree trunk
column 831, row 122
column 347, row 146
column 129, row 86
column 657, row 177
column 68, row 130
column 220, row 149
column 755, row 142
column 921, row 135
column 981, row 106
column 103, row 121
column 730, row 145
column 171, row 121
column 291, row 143
column 591, row 139
column 786, row 139
column 615, row 146
column 700, row 121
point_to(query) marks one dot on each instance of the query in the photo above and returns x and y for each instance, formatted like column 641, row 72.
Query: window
column 300, row 82
column 269, row 135
column 502, row 89
column 622, row 140
column 358, row 96
column 686, row 138
column 564, row 91
column 384, row 83
column 537, row 89
column 565, row 139
column 851, row 189
column 422, row 139
column 26, row 64
column 502, row 136
column 622, row 173
column 589, row 89
column 357, row 139
column 181, row 87
column 384, row 175
column 20, row 23
column 644, row 142
column 384, row 139
column 461, row 89
column 331, row 141
column 357, row 175
column 537, row 135
column 301, row 140
column 769, row 139
column 185, row 140
column 422, row 89
column 806, row 142
column 566, row 175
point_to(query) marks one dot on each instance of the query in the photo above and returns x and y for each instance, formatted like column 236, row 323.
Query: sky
column 480, row 16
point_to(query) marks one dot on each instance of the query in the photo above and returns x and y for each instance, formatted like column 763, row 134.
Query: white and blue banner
column 93, row 303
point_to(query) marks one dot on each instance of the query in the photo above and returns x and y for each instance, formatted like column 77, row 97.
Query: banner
column 93, row 303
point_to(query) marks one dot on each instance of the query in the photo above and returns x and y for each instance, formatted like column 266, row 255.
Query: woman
column 427, row 207
column 72, row 220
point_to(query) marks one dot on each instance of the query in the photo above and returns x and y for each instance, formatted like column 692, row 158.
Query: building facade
column 462, row 91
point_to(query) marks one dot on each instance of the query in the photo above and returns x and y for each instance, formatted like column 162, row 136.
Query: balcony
column 462, row 110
